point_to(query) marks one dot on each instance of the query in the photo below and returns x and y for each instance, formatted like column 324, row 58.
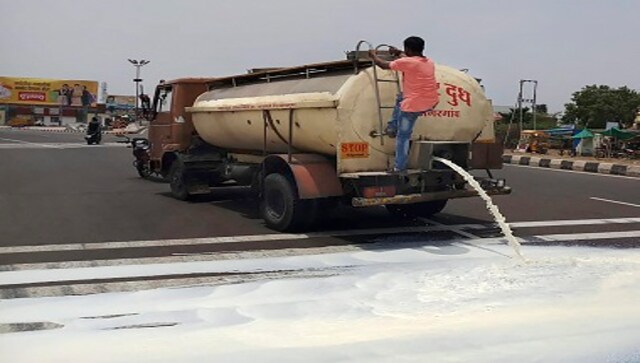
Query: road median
column 595, row 166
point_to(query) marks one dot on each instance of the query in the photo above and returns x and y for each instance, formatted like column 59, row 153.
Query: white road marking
column 218, row 240
column 285, row 236
column 452, row 228
column 586, row 236
column 566, row 237
column 574, row 171
column 58, row 145
column 261, row 265
column 39, row 145
column 185, row 257
column 616, row 202
column 573, row 222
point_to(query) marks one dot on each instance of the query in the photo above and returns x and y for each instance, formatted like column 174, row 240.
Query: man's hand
column 394, row 51
column 377, row 60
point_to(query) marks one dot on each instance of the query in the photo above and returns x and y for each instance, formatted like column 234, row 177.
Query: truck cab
column 171, row 129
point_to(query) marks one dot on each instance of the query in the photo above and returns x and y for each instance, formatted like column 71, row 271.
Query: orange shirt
column 420, row 89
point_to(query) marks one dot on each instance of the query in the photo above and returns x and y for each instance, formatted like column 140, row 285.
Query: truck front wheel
column 424, row 209
column 179, row 188
column 281, row 208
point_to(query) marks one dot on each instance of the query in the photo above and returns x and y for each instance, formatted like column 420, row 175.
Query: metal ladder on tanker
column 376, row 84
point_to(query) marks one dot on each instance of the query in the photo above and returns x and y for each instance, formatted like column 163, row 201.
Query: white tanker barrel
column 335, row 113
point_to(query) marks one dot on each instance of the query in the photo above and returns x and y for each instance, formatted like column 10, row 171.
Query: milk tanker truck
column 307, row 138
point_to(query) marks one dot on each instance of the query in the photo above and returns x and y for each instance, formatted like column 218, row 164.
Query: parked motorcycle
column 632, row 154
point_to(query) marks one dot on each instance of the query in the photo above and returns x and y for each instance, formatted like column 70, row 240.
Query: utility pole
column 532, row 101
column 137, row 80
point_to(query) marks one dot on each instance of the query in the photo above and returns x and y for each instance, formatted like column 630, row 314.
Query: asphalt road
column 64, row 204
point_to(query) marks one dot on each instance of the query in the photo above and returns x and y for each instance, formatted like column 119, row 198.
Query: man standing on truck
column 420, row 93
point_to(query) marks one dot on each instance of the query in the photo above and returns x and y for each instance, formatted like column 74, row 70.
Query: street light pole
column 137, row 80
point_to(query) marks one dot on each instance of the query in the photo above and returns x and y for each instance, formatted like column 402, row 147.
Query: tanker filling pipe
column 356, row 58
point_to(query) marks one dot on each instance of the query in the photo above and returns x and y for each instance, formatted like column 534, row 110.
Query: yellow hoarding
column 39, row 91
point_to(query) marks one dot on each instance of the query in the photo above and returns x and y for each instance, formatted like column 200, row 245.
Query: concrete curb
column 576, row 165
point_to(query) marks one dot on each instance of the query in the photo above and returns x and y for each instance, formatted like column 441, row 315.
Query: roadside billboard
column 121, row 101
column 40, row 91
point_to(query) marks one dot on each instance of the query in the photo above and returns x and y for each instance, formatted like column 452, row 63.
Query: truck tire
column 424, row 209
column 177, row 183
column 281, row 208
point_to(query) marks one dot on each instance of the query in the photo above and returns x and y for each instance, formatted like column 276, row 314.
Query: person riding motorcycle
column 94, row 131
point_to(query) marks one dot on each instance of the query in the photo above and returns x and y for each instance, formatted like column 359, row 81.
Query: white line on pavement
column 185, row 257
column 615, row 202
column 565, row 237
column 452, row 228
column 573, row 171
column 58, row 145
column 43, row 145
column 218, row 240
column 585, row 236
column 255, row 265
column 573, row 222
column 285, row 236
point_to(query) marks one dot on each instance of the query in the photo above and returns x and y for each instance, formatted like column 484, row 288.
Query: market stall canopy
column 619, row 134
column 584, row 134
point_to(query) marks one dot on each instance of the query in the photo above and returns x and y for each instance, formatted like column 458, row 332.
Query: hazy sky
column 564, row 44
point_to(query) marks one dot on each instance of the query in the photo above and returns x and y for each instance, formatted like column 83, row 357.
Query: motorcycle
column 632, row 154
column 94, row 134
column 140, row 148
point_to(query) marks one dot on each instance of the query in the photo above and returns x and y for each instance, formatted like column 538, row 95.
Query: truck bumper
column 425, row 197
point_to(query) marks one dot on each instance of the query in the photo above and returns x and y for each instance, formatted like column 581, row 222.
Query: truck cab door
column 160, row 134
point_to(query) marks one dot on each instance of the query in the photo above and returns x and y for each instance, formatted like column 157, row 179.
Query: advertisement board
column 121, row 101
column 40, row 91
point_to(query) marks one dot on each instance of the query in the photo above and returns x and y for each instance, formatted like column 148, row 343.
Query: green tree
column 593, row 106
column 542, row 109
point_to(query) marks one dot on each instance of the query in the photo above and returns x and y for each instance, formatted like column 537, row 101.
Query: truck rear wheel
column 281, row 208
column 424, row 209
column 179, row 188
